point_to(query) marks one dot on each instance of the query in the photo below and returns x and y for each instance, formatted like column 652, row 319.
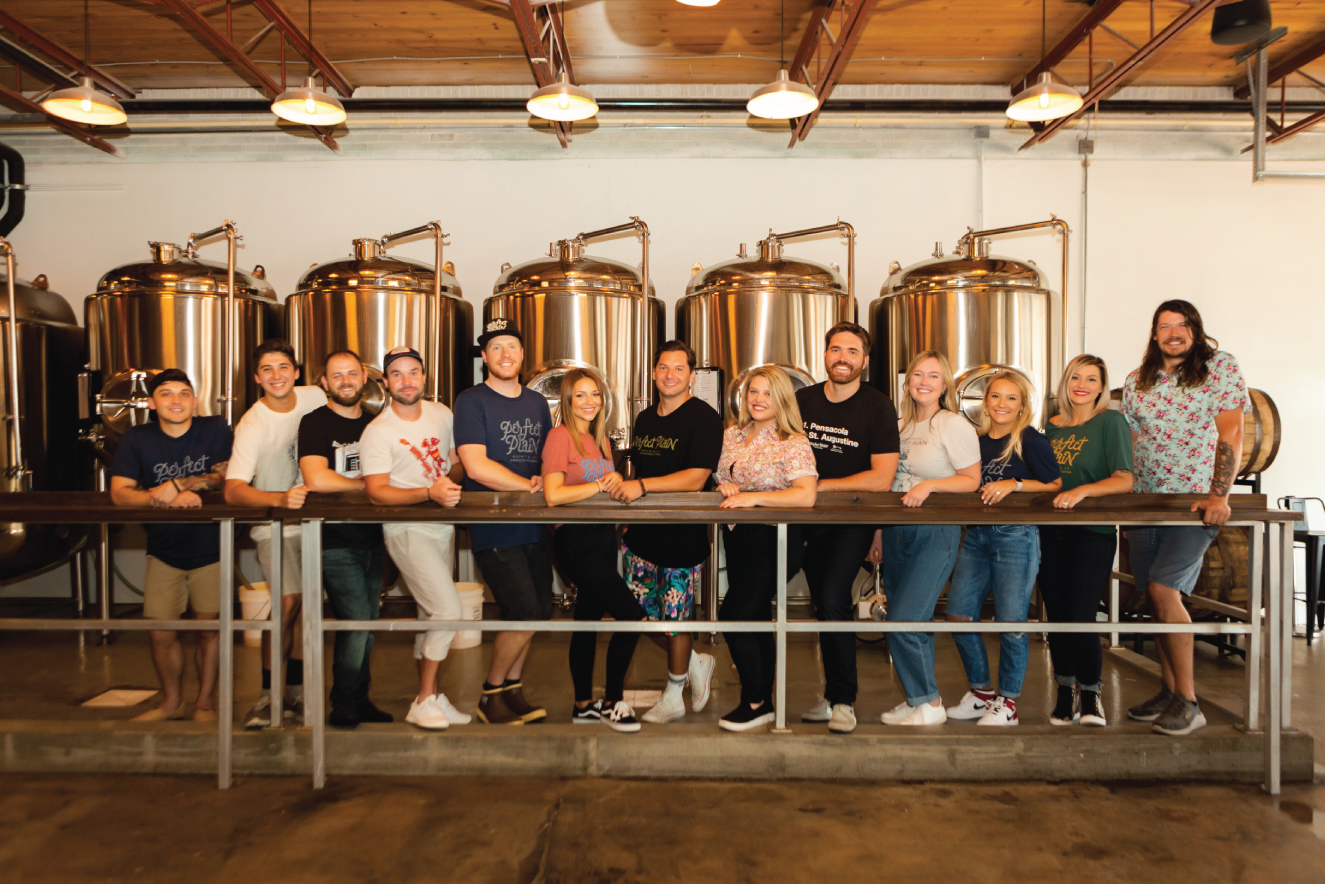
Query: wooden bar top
column 697, row 507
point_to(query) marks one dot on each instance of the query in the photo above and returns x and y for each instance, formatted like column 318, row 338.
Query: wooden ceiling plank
column 1108, row 82
column 1301, row 58
column 836, row 61
column 526, row 24
column 305, row 47
column 1068, row 42
column 21, row 102
column 54, row 50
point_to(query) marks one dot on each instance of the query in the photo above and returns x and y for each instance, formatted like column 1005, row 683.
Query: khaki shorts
column 168, row 591
column 292, row 557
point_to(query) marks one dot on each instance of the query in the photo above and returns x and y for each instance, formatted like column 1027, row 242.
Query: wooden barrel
column 1261, row 431
column 1224, row 571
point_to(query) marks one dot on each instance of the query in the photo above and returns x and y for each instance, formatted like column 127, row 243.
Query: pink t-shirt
column 560, row 456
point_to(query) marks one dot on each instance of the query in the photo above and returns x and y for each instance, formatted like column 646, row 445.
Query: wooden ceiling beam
column 1069, row 41
column 34, row 65
column 54, row 50
column 305, row 47
column 1301, row 58
column 852, row 18
column 24, row 104
column 1297, row 128
column 540, row 59
column 1110, row 81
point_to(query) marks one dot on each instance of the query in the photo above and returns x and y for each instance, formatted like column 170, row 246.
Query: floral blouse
column 767, row 463
column 1175, row 427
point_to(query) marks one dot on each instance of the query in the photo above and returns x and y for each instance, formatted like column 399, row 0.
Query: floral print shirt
column 767, row 463
column 1175, row 427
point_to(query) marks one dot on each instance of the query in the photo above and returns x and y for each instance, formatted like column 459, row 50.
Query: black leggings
column 1075, row 564
column 752, row 584
column 586, row 556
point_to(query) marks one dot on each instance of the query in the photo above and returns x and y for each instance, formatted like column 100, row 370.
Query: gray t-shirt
column 935, row 449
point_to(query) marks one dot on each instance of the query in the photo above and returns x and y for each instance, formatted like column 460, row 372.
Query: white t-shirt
column 415, row 453
column 936, row 449
column 265, row 452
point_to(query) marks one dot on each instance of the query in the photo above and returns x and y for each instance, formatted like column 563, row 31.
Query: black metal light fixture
column 1242, row 22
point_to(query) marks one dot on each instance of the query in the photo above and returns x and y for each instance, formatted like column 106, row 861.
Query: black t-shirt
column 844, row 435
column 323, row 433
column 1037, row 461
column 150, row 457
column 689, row 438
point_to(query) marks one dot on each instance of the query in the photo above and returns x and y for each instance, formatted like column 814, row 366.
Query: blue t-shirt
column 150, row 457
column 513, row 430
column 1037, row 461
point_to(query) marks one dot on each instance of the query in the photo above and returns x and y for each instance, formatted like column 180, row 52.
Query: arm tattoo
column 1224, row 466
column 209, row 481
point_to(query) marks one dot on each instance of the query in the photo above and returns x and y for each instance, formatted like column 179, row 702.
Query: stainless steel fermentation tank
column 371, row 302
column 985, row 312
column 170, row 312
column 579, row 311
column 755, row 310
column 40, row 355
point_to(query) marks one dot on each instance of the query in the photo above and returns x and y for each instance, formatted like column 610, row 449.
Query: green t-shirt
column 1093, row 451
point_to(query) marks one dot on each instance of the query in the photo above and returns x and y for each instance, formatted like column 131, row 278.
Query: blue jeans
column 353, row 581
column 917, row 560
column 1002, row 559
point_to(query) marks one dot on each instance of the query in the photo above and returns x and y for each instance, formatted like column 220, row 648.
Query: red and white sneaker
column 1001, row 713
column 971, row 706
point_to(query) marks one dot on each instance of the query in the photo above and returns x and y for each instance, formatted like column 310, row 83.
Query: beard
column 347, row 400
column 853, row 375
column 1183, row 354
column 407, row 398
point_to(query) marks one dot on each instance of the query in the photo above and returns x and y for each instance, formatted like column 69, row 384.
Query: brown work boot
column 516, row 702
column 493, row 709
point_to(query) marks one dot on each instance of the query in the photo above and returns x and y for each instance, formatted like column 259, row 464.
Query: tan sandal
column 205, row 715
column 159, row 714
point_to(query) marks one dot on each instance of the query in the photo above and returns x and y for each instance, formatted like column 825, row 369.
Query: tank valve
column 938, row 250
column 741, row 253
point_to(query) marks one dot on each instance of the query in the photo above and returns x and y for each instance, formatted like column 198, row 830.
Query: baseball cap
column 400, row 353
column 498, row 327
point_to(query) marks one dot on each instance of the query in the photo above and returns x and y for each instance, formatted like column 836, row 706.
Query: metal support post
column 314, row 693
column 225, row 726
column 1285, row 602
column 103, row 577
column 1274, row 720
column 1113, row 613
column 1256, row 579
column 274, row 585
column 780, row 710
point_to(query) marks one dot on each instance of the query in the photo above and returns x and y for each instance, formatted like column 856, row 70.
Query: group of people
column 1179, row 431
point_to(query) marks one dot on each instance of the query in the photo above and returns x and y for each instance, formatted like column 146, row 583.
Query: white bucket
column 255, row 604
column 471, row 608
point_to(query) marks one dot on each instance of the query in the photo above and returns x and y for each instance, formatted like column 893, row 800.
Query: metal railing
column 1270, row 581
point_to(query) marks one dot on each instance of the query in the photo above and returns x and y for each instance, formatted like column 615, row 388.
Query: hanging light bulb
column 84, row 104
column 1046, row 100
column 308, row 105
column 782, row 99
column 699, row 2
column 562, row 101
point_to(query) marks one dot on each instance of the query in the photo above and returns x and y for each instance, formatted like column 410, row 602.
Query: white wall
column 1156, row 229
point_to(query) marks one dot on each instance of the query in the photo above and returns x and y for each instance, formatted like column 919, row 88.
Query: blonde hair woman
column 940, row 453
column 577, row 465
column 1093, row 446
column 1001, row 560
column 766, row 461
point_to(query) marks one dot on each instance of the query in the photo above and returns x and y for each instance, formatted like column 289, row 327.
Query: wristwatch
column 1018, row 481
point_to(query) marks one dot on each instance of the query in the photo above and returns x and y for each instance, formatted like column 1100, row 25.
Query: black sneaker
column 744, row 718
column 369, row 712
column 1152, row 708
column 591, row 714
column 1181, row 718
column 1068, row 708
column 620, row 717
column 344, row 715
column 1092, row 710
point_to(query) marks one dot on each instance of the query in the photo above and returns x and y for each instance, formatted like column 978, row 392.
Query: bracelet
column 178, row 489
column 643, row 492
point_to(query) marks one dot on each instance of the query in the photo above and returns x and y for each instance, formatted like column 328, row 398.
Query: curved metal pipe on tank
column 434, row 229
column 232, row 237
column 842, row 227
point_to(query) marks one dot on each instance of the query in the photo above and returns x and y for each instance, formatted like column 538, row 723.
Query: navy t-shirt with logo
column 150, row 457
column 513, row 431
column 1037, row 461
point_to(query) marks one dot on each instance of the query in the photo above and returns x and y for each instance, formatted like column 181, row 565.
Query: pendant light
column 83, row 103
column 562, row 101
column 1046, row 99
column 308, row 104
column 1241, row 22
column 782, row 99
column 699, row 2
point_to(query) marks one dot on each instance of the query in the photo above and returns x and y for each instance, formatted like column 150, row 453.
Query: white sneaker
column 699, row 676
column 820, row 712
column 669, row 707
column 453, row 715
column 843, row 720
column 427, row 715
column 260, row 715
column 915, row 716
column 970, row 707
column 1000, row 714
column 620, row 717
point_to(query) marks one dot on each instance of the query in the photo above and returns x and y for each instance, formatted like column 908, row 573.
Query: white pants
column 292, row 557
column 424, row 554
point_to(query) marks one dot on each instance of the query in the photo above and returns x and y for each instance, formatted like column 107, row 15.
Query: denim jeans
column 1003, row 560
column 917, row 560
column 353, row 581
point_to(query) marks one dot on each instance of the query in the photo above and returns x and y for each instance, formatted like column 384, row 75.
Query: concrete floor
column 155, row 828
